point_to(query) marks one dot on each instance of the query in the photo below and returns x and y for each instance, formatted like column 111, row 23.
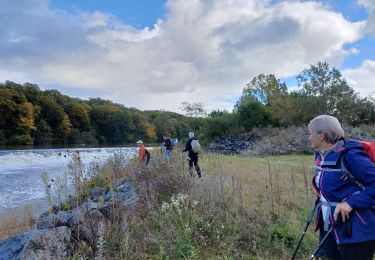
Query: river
column 20, row 171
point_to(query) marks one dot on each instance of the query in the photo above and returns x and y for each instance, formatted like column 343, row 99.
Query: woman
column 143, row 153
column 341, row 197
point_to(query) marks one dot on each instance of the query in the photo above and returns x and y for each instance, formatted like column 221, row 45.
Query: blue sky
column 156, row 54
column 142, row 13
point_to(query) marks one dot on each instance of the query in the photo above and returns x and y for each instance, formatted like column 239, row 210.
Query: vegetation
column 31, row 116
column 251, row 208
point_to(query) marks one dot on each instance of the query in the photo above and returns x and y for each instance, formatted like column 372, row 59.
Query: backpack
column 147, row 154
column 369, row 148
column 195, row 146
column 172, row 142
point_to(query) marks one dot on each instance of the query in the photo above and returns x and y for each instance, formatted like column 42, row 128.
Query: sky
column 156, row 54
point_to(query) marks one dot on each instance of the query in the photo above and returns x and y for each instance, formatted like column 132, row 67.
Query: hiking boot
column 198, row 169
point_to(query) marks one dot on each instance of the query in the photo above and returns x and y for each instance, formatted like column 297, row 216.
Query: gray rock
column 84, row 224
column 37, row 244
column 96, row 193
column 50, row 221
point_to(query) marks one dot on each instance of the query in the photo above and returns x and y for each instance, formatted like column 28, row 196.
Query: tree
column 252, row 113
column 273, row 94
column 194, row 109
column 335, row 96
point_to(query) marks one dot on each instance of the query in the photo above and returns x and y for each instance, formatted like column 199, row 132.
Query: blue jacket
column 335, row 186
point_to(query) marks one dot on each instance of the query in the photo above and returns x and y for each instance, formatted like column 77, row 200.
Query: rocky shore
column 55, row 232
column 272, row 141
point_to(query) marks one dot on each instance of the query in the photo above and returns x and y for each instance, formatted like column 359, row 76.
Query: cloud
column 362, row 79
column 370, row 7
column 203, row 51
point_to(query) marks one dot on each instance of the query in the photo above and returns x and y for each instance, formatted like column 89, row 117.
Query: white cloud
column 370, row 7
column 204, row 51
column 362, row 79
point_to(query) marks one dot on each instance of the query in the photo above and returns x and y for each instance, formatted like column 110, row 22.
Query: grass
column 241, row 208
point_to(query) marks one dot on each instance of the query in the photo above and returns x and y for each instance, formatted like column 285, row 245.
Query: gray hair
column 191, row 134
column 329, row 126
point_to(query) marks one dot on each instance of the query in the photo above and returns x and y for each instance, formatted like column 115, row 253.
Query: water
column 20, row 170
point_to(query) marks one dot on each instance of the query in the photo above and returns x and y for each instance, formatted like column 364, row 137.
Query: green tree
column 273, row 94
column 252, row 113
column 112, row 122
column 333, row 95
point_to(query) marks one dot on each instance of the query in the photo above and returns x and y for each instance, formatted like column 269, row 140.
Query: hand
column 344, row 209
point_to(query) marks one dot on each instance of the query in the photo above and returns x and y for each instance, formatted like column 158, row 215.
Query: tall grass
column 242, row 208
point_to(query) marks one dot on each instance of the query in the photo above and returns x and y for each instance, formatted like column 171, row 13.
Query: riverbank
column 242, row 207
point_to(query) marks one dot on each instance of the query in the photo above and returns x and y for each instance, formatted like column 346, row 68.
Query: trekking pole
column 308, row 221
column 325, row 237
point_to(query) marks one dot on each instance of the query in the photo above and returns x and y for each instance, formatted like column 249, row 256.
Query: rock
column 51, row 239
column 96, row 193
column 84, row 223
column 52, row 220
column 38, row 244
column 13, row 246
column 48, row 244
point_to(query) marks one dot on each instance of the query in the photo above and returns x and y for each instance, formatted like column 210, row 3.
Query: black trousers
column 355, row 251
column 193, row 159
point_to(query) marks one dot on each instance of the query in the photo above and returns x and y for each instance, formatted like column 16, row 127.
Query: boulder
column 38, row 244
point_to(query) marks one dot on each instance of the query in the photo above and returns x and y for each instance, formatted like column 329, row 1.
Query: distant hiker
column 168, row 145
column 193, row 148
column 143, row 154
column 344, row 181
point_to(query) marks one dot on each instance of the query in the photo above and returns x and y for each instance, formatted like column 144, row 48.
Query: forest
column 31, row 116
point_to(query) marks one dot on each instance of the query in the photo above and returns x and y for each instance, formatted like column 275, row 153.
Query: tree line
column 266, row 101
column 31, row 116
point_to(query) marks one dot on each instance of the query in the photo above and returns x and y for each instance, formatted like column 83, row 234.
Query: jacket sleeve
column 363, row 169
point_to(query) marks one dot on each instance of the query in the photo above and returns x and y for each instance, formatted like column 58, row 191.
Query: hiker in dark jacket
column 340, row 196
column 193, row 157
column 168, row 145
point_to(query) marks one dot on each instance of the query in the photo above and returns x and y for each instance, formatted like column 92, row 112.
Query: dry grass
column 242, row 208
column 15, row 221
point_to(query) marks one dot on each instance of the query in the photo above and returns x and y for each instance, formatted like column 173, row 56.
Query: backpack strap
column 352, row 178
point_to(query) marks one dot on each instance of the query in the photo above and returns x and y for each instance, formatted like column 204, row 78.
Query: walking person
column 143, row 154
column 193, row 155
column 344, row 181
column 168, row 145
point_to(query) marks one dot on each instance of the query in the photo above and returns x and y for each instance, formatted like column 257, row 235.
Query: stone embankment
column 272, row 141
column 55, row 232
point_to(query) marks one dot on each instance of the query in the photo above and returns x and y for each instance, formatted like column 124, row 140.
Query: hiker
column 340, row 165
column 193, row 155
column 168, row 145
column 143, row 154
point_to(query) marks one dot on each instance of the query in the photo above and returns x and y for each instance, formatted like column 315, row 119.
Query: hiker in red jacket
column 143, row 153
column 344, row 181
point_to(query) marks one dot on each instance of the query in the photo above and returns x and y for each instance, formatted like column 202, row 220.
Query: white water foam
column 20, row 171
